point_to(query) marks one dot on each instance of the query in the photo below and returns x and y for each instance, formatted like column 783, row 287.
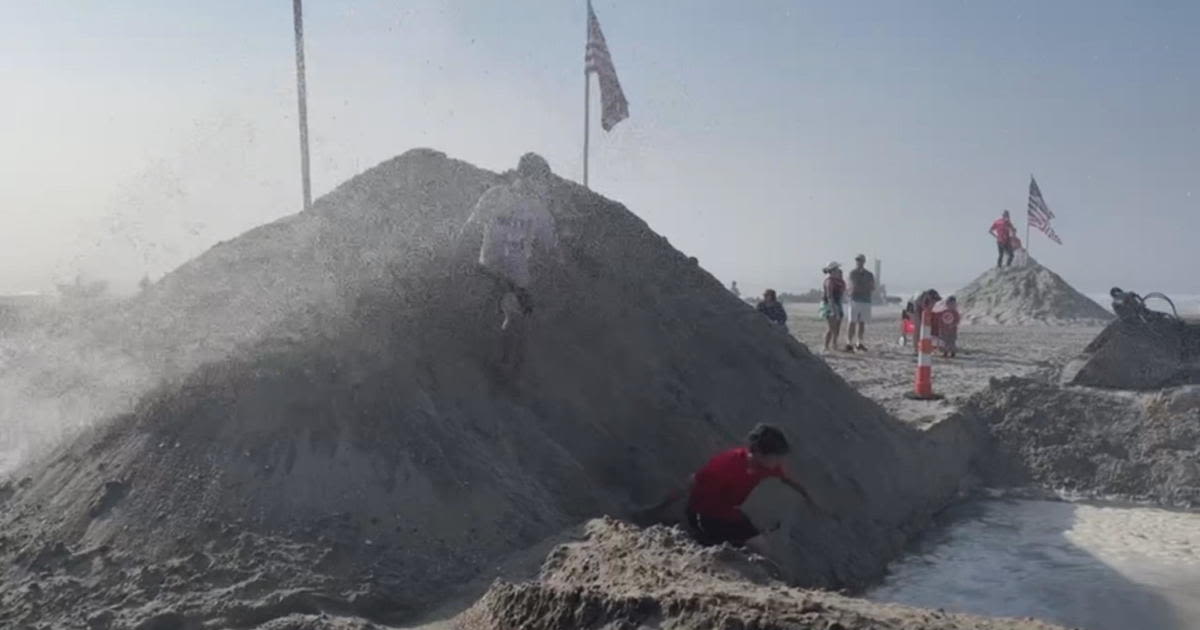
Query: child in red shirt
column 717, row 491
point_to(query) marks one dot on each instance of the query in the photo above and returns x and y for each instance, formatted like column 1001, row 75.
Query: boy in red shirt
column 717, row 491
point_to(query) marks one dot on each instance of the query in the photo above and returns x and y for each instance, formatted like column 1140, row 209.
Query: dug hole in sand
column 333, row 437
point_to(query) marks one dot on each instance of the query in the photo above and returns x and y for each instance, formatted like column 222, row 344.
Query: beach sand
column 886, row 371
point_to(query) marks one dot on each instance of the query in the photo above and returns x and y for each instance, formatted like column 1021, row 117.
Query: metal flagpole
column 301, row 96
column 587, row 93
column 1027, row 234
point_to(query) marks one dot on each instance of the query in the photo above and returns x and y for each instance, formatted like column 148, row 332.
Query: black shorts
column 714, row 531
column 1004, row 248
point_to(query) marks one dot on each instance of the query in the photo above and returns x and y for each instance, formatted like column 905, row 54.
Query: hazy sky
column 765, row 138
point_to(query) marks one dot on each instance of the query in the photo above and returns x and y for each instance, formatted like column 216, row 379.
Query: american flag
column 614, row 107
column 1039, row 212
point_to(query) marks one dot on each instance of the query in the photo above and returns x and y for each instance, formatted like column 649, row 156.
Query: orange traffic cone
column 923, row 390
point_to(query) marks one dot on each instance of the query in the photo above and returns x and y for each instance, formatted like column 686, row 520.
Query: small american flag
column 1039, row 212
column 614, row 107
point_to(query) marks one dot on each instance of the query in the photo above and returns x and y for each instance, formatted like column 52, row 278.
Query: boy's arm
column 791, row 482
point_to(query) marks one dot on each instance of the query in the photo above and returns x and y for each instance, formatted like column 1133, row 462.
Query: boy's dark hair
column 766, row 439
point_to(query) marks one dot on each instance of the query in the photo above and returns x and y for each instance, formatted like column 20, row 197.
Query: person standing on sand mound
column 716, row 493
column 515, row 218
column 1004, row 231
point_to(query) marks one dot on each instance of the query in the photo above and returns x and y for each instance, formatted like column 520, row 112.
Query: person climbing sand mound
column 514, row 218
column 716, row 492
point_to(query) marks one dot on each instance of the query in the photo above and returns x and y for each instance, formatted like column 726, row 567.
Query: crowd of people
column 848, row 299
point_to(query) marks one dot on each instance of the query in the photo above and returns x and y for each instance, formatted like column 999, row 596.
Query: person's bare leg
column 828, row 332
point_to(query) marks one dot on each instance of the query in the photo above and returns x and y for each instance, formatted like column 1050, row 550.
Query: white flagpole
column 302, row 99
column 587, row 95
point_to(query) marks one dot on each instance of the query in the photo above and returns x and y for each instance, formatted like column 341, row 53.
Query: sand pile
column 1093, row 443
column 1027, row 294
column 337, row 439
column 621, row 577
column 1160, row 352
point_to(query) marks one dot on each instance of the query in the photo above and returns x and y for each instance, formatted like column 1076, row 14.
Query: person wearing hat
column 834, row 292
column 862, row 289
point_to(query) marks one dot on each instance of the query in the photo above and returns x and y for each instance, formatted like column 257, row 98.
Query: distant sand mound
column 339, row 439
column 1024, row 295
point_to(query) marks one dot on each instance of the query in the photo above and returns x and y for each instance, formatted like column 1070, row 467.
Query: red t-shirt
column 1004, row 230
column 721, row 487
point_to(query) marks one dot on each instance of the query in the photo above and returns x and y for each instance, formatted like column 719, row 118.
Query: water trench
column 1100, row 567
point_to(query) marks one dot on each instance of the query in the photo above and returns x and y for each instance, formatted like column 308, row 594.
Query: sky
column 765, row 138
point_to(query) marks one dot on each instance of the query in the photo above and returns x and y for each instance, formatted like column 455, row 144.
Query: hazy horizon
column 764, row 139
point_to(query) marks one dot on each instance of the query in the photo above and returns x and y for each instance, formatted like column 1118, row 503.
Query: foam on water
column 1090, row 566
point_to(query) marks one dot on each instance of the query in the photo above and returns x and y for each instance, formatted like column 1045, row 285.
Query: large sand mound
column 621, row 577
column 1027, row 294
column 1159, row 352
column 345, row 446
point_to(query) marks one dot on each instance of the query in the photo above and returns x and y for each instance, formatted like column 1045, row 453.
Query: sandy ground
column 885, row 373
column 623, row 577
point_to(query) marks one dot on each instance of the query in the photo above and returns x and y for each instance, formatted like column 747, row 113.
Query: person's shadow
column 1024, row 559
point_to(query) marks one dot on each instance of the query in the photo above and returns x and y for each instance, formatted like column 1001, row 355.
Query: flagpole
column 587, row 95
column 302, row 99
column 1027, row 233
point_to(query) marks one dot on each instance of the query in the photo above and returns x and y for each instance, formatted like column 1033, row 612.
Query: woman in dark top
column 832, row 308
column 772, row 308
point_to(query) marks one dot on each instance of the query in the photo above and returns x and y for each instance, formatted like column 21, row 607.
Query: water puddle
column 1091, row 566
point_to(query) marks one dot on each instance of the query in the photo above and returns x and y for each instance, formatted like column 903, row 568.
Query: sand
column 622, row 577
column 1091, row 443
column 333, row 433
column 1140, row 355
column 887, row 371
column 315, row 432
column 1028, row 294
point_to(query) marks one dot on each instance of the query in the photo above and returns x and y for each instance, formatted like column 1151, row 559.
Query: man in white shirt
column 515, row 218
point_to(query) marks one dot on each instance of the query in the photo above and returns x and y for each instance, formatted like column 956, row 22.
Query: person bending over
column 718, row 490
